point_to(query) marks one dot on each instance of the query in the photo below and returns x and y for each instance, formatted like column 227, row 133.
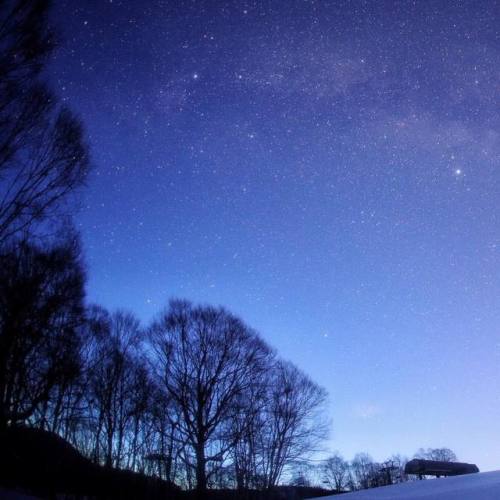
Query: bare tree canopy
column 293, row 424
column 41, row 308
column 209, row 357
column 439, row 454
column 43, row 156
column 336, row 472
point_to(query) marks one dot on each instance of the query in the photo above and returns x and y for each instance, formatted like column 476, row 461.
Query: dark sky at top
column 328, row 170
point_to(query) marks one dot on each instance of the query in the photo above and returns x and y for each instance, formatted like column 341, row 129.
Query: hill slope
column 483, row 486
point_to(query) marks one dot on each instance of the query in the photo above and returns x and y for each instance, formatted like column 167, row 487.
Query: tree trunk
column 201, row 477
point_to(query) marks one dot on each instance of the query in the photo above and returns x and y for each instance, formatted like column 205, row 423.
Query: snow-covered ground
column 482, row 486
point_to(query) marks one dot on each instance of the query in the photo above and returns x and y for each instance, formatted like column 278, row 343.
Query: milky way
column 327, row 170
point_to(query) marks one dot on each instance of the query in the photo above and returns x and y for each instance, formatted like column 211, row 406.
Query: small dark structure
column 436, row 468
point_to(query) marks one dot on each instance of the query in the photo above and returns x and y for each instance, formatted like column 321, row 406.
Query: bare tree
column 292, row 425
column 113, row 384
column 244, row 429
column 396, row 466
column 336, row 472
column 41, row 309
column 209, row 358
column 43, row 157
column 164, row 444
column 362, row 466
column 369, row 474
column 302, row 474
column 440, row 454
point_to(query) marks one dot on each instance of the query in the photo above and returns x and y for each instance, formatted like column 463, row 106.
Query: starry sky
column 329, row 171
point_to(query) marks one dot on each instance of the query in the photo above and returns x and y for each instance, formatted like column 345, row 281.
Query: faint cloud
column 367, row 411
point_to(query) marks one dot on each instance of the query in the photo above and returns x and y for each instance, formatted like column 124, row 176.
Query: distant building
column 436, row 468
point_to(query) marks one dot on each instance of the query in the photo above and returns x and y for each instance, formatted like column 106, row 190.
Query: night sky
column 327, row 170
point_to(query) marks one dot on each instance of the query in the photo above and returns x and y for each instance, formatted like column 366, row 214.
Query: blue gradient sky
column 328, row 170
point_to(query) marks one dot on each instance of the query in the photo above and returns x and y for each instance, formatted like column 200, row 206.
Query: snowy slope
column 482, row 486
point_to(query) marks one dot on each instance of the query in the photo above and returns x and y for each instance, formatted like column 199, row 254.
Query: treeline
column 362, row 472
column 196, row 398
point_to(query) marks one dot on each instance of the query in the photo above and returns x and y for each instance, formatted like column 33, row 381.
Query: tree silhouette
column 336, row 473
column 209, row 357
column 43, row 157
column 292, row 424
column 41, row 309
column 439, row 454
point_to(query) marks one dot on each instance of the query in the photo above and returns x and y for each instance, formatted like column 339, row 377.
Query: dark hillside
column 45, row 464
